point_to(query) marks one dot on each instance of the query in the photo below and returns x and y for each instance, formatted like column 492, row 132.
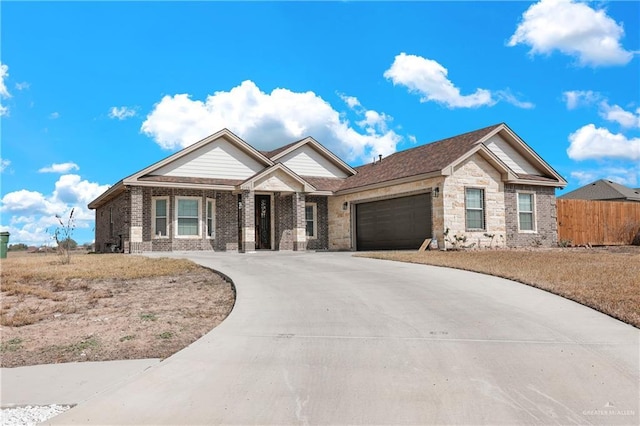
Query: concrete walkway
column 65, row 384
column 325, row 338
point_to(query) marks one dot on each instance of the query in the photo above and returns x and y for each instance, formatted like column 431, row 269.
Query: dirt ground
column 107, row 319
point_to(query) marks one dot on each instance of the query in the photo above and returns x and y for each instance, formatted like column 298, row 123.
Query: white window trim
column 154, row 233
column 175, row 215
column 213, row 219
column 315, row 220
column 484, row 209
column 533, row 213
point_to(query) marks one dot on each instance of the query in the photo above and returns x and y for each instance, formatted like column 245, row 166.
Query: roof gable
column 222, row 155
column 308, row 157
column 277, row 178
column 421, row 160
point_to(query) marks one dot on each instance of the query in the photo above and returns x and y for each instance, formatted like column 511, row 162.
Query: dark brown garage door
column 394, row 224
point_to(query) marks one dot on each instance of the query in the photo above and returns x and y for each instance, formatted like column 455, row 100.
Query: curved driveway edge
column 326, row 338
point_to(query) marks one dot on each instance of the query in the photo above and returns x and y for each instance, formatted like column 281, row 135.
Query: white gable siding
column 306, row 161
column 219, row 159
column 278, row 181
column 512, row 158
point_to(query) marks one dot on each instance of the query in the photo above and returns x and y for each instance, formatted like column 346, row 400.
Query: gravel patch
column 30, row 415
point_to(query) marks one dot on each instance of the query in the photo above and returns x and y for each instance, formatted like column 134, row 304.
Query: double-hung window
column 187, row 217
column 211, row 233
column 474, row 208
column 311, row 222
column 160, row 220
column 526, row 209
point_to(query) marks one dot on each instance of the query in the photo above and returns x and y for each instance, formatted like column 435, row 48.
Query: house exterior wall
column 321, row 242
column 171, row 242
column 340, row 221
column 546, row 232
column 284, row 222
column 475, row 172
column 107, row 231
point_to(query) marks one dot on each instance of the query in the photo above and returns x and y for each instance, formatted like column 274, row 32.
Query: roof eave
column 408, row 179
column 113, row 191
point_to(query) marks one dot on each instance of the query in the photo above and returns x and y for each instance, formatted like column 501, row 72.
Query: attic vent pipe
column 380, row 157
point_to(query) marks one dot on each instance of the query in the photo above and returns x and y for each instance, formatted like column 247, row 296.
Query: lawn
column 105, row 307
column 605, row 279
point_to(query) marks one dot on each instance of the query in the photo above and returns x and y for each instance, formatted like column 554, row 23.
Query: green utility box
column 4, row 242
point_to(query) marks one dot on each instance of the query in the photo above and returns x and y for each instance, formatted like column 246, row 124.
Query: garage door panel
column 397, row 223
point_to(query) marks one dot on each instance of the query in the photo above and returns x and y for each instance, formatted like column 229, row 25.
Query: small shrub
column 166, row 335
column 148, row 317
column 11, row 345
column 126, row 338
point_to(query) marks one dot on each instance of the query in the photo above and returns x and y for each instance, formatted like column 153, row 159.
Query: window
column 526, row 218
column 474, row 205
column 160, row 220
column 311, row 225
column 211, row 233
column 188, row 217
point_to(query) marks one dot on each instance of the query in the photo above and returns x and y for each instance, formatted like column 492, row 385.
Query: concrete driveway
column 325, row 338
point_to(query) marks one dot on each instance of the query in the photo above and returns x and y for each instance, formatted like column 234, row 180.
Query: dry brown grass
column 46, row 278
column 105, row 307
column 605, row 280
column 39, row 268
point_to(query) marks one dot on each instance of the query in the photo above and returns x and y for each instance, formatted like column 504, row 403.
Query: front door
column 263, row 222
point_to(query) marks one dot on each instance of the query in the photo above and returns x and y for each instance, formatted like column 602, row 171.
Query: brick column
column 299, row 223
column 248, row 219
column 135, row 230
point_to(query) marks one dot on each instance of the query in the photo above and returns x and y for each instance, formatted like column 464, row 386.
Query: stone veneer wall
column 545, row 217
column 340, row 225
column 475, row 172
column 106, row 234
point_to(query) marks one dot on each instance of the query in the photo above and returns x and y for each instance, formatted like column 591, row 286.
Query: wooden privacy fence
column 597, row 222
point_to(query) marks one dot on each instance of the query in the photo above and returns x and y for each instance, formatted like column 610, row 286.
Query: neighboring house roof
column 603, row 190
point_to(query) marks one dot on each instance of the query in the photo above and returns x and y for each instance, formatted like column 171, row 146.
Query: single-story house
column 222, row 194
column 603, row 190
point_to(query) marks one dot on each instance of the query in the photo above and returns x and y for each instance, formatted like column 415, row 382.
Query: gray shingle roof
column 603, row 190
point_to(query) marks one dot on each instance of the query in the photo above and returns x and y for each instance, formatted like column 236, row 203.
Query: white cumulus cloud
column 23, row 85
column 429, row 79
column 619, row 115
column 4, row 163
column 621, row 175
column 574, row 29
column 122, row 113
column 578, row 98
column 4, row 93
column 32, row 214
column 59, row 168
column 265, row 120
column 4, row 73
column 591, row 142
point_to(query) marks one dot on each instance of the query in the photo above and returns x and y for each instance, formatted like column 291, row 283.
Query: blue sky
column 92, row 92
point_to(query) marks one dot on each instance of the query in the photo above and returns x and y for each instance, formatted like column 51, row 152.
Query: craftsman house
column 222, row 194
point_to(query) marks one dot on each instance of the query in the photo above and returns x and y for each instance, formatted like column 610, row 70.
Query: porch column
column 248, row 219
column 299, row 222
column 135, row 225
